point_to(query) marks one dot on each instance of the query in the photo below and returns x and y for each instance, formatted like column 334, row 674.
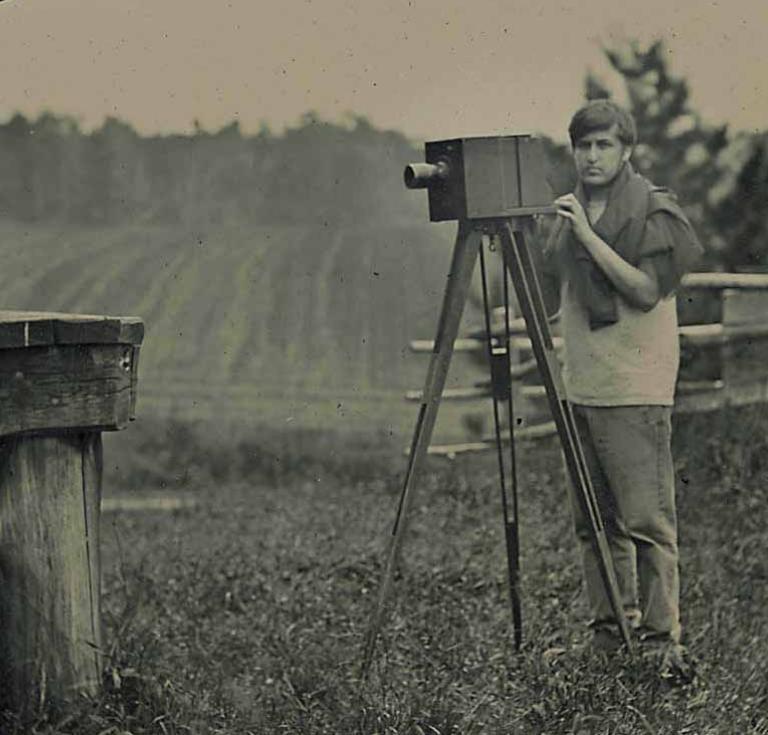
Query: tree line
column 323, row 172
column 315, row 172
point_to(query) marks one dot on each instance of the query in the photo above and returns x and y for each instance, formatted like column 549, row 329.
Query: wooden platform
column 64, row 378
column 67, row 371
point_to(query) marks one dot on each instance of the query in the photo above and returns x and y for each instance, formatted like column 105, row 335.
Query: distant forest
column 324, row 172
column 315, row 172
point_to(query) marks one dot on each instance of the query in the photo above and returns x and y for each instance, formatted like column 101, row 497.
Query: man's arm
column 638, row 285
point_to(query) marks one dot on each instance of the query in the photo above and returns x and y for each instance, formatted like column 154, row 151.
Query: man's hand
column 638, row 285
column 570, row 209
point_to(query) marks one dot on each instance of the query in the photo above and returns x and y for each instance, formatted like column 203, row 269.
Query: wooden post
column 63, row 380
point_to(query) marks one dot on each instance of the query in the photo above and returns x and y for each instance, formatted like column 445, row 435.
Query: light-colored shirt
column 632, row 362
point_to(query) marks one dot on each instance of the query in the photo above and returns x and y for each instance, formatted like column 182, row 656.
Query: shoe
column 674, row 661
column 677, row 665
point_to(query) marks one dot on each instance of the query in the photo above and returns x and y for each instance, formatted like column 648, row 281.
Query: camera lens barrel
column 424, row 175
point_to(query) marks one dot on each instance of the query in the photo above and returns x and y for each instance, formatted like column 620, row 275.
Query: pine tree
column 676, row 147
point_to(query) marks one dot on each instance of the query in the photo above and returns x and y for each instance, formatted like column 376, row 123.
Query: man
column 620, row 246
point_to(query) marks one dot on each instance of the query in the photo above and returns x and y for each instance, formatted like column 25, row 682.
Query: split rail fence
column 724, row 356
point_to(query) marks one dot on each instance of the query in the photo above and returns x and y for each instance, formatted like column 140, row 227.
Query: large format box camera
column 484, row 177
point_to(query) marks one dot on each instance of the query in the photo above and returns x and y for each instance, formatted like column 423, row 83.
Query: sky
column 430, row 68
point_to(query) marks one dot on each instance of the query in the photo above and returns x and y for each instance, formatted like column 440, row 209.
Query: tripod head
column 481, row 178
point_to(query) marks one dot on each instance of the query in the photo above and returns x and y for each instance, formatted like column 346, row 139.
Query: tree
column 741, row 205
column 676, row 147
column 17, row 177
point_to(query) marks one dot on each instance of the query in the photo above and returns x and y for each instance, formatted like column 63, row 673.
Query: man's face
column 599, row 156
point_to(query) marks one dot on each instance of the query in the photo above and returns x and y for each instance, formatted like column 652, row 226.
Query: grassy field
column 246, row 612
column 277, row 307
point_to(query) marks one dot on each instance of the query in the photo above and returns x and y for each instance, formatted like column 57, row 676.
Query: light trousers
column 628, row 452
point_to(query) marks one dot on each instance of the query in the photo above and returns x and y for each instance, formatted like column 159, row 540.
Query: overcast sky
column 430, row 68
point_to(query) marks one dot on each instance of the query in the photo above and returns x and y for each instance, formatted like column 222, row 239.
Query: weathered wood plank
column 93, row 471
column 60, row 387
column 460, row 345
column 527, row 433
column 39, row 328
column 478, row 345
column 148, row 504
column 134, row 382
column 104, row 331
column 453, row 394
column 725, row 280
column 49, row 623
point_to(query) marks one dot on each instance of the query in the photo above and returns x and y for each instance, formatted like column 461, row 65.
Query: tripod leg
column 459, row 279
column 501, row 382
column 512, row 521
column 526, row 283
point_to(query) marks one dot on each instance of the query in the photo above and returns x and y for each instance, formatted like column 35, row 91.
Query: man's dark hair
column 601, row 115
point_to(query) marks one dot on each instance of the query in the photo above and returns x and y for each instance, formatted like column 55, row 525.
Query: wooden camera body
column 483, row 177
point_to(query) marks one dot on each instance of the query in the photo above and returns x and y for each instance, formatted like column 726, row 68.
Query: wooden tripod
column 512, row 232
